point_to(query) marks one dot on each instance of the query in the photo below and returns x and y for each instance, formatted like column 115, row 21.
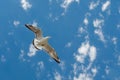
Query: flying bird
column 42, row 42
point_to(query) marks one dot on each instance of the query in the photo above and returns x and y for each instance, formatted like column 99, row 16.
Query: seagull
column 41, row 42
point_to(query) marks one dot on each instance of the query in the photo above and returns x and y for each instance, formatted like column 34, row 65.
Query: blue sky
column 85, row 35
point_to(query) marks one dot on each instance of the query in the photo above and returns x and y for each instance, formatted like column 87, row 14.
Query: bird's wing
column 51, row 52
column 36, row 30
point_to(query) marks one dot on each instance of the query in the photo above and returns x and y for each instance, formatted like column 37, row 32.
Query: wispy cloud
column 118, row 26
column 21, row 56
column 118, row 60
column 94, row 71
column 57, row 76
column 98, row 23
column 100, row 34
column 107, row 70
column 25, row 4
column 78, row 1
column 86, row 50
column 2, row 58
column 40, row 64
column 69, row 44
column 39, row 68
column 85, row 72
column 92, row 53
column 62, row 65
column 83, row 76
column 32, row 51
column 119, row 9
column 16, row 23
column 82, row 52
column 86, row 21
column 66, row 4
column 105, row 5
column 114, row 40
column 81, row 31
column 93, row 5
column 34, row 23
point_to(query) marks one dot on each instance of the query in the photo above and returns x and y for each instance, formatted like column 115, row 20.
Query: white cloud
column 119, row 10
column 62, row 65
column 100, row 34
column 25, row 4
column 10, row 33
column 66, row 4
column 32, row 51
column 82, row 52
column 98, row 23
column 117, row 78
column 93, row 5
column 41, row 64
column 81, row 30
column 75, row 68
column 94, row 71
column 16, row 23
column 86, row 21
column 39, row 69
column 92, row 53
column 118, row 60
column 2, row 58
column 107, row 70
column 83, row 70
column 35, row 23
column 84, row 76
column 86, row 50
column 57, row 76
column 105, row 5
column 118, row 26
column 50, row 2
column 69, row 44
column 78, row 1
column 53, row 18
column 21, row 56
column 114, row 40
column 80, row 58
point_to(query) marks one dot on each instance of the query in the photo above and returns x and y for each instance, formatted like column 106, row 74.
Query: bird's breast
column 35, row 43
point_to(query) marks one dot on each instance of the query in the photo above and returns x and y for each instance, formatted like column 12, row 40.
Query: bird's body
column 41, row 42
column 35, row 43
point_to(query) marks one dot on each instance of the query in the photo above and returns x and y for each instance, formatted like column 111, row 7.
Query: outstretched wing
column 51, row 52
column 36, row 30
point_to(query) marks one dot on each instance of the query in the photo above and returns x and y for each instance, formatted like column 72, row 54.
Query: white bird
column 42, row 42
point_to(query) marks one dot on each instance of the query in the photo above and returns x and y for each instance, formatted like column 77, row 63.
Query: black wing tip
column 57, row 60
column 27, row 25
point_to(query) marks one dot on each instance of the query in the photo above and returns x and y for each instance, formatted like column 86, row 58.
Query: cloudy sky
column 84, row 33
